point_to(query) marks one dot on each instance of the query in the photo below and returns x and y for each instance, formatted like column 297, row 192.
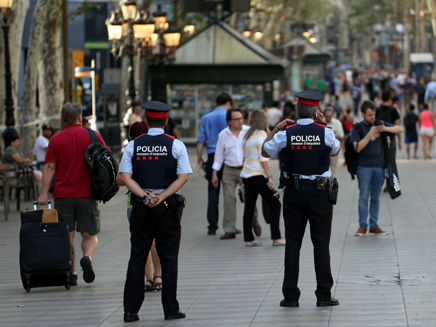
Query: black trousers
column 253, row 187
column 146, row 224
column 213, row 194
column 300, row 206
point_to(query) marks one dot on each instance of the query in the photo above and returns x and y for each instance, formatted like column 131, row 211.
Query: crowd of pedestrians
column 239, row 144
column 398, row 95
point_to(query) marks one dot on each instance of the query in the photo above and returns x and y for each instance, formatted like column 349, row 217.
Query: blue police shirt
column 279, row 142
column 211, row 125
column 179, row 152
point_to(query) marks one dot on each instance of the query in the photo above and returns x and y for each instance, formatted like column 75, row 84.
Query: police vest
column 306, row 152
column 154, row 166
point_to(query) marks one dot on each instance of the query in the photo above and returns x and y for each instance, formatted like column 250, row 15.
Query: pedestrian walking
column 388, row 113
column 306, row 148
column 76, row 207
column 211, row 125
column 426, row 130
column 430, row 96
column 229, row 155
column 411, row 134
column 154, row 167
column 419, row 89
column 356, row 93
column 338, row 130
column 371, row 165
column 257, row 179
column 41, row 144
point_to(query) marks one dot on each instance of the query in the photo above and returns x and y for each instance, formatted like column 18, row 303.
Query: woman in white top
column 257, row 179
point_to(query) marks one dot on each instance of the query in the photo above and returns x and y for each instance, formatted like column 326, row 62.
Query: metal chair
column 6, row 171
column 18, row 177
column 25, row 180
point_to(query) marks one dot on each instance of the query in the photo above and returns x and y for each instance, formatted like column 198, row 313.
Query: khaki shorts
column 80, row 214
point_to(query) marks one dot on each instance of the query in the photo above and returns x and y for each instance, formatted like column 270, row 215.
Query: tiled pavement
column 379, row 280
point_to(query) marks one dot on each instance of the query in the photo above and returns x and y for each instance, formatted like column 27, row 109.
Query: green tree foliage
column 365, row 13
column 83, row 8
column 300, row 10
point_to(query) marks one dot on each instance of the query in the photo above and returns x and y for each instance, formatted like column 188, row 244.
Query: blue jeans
column 370, row 183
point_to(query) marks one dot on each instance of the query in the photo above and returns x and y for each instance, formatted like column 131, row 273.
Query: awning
column 421, row 58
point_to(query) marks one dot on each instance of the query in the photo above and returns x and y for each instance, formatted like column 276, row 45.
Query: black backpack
column 103, row 169
column 350, row 152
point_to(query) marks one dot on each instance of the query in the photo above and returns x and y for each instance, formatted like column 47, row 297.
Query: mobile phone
column 316, row 117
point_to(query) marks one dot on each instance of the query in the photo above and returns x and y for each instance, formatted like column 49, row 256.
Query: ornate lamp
column 128, row 7
column 160, row 18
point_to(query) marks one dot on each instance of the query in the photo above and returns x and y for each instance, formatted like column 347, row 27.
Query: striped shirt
column 252, row 156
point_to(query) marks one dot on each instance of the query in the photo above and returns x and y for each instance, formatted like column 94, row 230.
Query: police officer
column 306, row 148
column 154, row 168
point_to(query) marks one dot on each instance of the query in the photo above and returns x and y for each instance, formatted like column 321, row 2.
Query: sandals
column 149, row 288
column 158, row 285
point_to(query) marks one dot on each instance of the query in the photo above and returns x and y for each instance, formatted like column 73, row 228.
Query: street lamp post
column 158, row 38
column 120, row 32
column 5, row 6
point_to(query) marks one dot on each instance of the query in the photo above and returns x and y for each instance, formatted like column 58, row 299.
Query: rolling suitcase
column 45, row 250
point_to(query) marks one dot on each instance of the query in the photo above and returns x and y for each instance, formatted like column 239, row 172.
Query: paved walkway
column 379, row 280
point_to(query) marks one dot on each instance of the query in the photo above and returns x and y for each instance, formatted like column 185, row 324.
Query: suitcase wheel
column 67, row 285
column 27, row 288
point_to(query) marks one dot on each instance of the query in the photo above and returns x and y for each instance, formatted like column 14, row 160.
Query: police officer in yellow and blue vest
column 154, row 168
column 305, row 149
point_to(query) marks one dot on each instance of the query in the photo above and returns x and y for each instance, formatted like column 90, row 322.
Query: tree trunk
column 16, row 20
column 50, row 82
column 28, row 132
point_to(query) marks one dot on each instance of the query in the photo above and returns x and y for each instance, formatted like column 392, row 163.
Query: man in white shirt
column 337, row 128
column 136, row 115
column 274, row 114
column 41, row 144
column 230, row 154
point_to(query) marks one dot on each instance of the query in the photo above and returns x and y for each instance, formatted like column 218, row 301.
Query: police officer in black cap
column 154, row 168
column 305, row 149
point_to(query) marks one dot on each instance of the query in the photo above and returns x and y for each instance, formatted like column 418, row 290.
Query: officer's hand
column 153, row 199
column 283, row 123
column 319, row 116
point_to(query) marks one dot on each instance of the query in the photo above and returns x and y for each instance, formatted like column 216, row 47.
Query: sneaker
column 88, row 272
column 377, row 231
column 361, row 231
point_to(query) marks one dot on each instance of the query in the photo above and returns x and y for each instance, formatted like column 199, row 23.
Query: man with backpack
column 371, row 164
column 73, row 201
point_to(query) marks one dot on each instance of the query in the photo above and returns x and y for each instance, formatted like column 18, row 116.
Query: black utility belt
column 176, row 200
column 295, row 182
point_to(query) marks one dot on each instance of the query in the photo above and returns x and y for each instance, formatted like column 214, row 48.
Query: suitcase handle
column 35, row 205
